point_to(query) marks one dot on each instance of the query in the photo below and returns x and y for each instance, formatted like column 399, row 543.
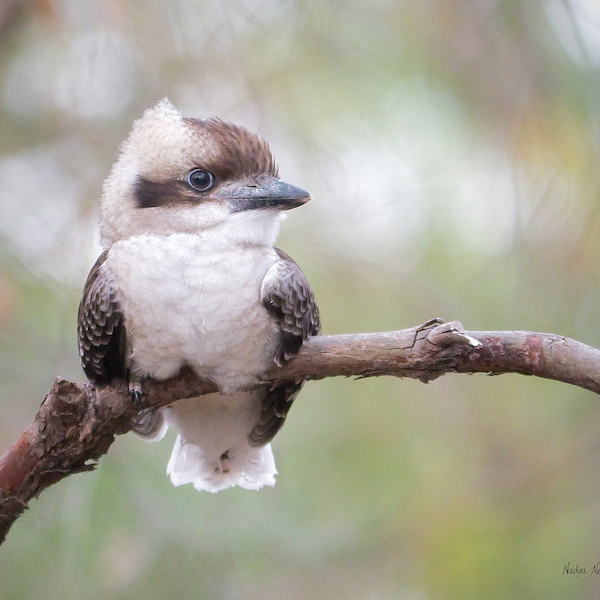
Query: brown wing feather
column 290, row 299
column 100, row 330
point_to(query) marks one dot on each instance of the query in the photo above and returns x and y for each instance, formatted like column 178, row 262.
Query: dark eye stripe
column 149, row 194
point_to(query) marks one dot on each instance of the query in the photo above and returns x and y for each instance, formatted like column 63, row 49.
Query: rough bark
column 77, row 423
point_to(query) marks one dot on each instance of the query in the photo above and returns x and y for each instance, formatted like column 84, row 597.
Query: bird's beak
column 268, row 192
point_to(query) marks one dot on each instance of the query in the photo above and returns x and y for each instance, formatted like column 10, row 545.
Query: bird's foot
column 149, row 423
column 136, row 390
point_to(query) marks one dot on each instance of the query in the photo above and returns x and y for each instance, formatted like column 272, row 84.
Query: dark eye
column 201, row 180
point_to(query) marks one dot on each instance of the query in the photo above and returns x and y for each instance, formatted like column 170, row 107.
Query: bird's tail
column 212, row 450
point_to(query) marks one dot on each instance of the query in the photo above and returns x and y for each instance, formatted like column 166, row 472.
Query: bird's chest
column 186, row 303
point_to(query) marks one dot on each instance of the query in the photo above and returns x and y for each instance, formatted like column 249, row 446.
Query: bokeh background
column 452, row 150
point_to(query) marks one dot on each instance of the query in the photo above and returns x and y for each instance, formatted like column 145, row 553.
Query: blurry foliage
column 452, row 149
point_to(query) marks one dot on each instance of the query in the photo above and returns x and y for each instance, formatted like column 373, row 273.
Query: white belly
column 186, row 303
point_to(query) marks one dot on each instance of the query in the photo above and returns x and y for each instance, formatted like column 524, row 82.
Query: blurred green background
column 452, row 150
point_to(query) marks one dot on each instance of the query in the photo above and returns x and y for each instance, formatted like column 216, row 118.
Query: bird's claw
column 135, row 391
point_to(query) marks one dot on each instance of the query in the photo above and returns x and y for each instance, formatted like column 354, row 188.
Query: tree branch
column 77, row 423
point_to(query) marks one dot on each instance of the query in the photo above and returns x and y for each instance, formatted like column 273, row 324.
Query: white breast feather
column 185, row 303
column 185, row 306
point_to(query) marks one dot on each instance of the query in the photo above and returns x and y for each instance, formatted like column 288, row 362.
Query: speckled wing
column 100, row 330
column 287, row 295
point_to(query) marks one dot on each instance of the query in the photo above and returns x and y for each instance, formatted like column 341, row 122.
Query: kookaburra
column 189, row 277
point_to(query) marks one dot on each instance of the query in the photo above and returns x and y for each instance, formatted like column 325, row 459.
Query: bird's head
column 199, row 176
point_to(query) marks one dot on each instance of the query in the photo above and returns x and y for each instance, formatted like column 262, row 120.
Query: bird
column 189, row 277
